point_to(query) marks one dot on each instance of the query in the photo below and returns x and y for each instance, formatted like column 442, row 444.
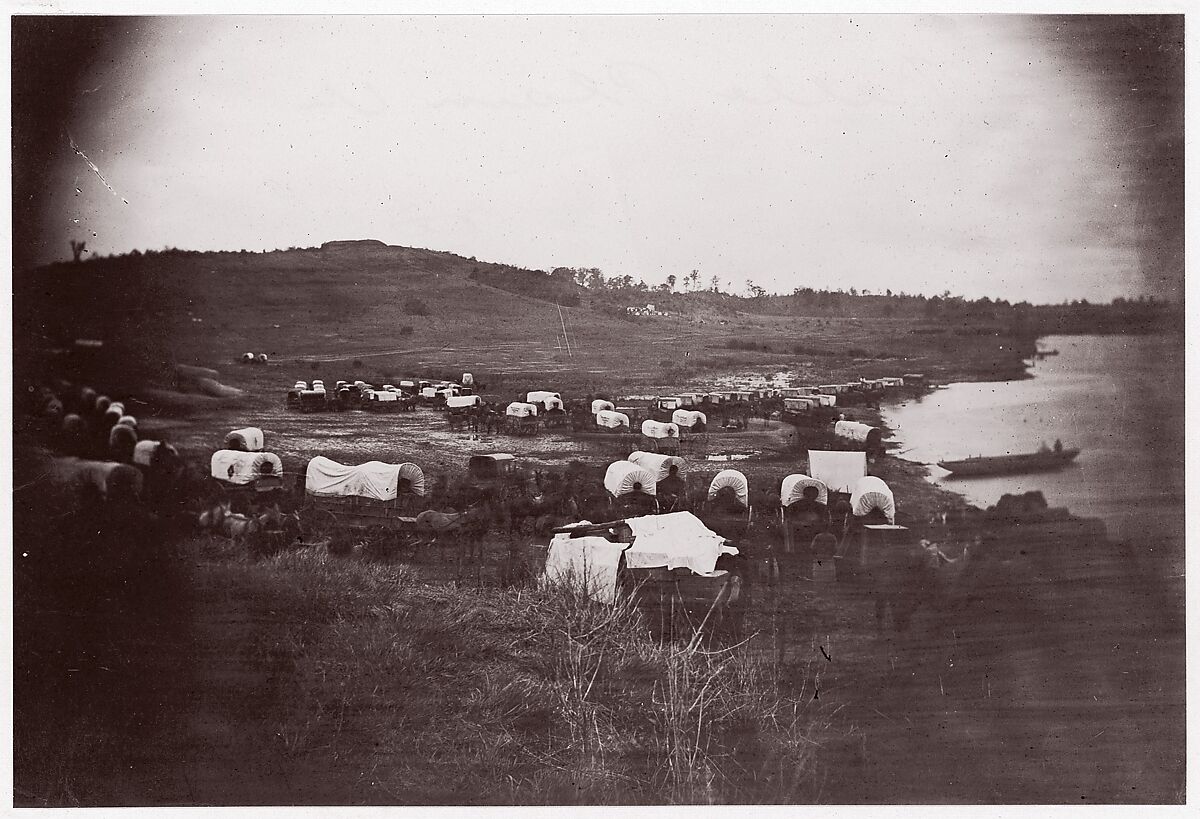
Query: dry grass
column 536, row 696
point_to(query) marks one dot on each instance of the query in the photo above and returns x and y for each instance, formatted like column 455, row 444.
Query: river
column 1119, row 398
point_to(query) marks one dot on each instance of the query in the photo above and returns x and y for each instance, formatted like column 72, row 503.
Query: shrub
column 416, row 307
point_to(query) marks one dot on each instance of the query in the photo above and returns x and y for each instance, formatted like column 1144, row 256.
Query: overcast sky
column 961, row 153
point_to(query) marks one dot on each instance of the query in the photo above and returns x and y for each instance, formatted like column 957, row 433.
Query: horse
column 232, row 525
column 465, row 528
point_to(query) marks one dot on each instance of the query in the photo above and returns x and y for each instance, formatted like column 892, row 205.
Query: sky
column 987, row 155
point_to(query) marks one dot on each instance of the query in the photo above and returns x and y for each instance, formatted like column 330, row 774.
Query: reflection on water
column 1119, row 398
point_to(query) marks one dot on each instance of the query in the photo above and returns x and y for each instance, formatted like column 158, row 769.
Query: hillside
column 397, row 310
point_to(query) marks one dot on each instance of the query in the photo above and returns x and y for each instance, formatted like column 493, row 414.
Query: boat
column 1008, row 464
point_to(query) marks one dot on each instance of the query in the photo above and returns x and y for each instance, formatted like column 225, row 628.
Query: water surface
column 1118, row 398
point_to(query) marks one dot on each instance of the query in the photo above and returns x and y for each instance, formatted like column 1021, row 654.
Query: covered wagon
column 691, row 420
column 107, row 480
column 258, row 470
column 612, row 420
column 364, row 496
column 659, row 429
column 793, row 486
column 872, row 494
column 870, row 437
column 731, row 484
column 492, row 466
column 663, row 436
column 246, row 439
column 667, row 563
column 544, row 399
column 659, row 465
column 599, row 405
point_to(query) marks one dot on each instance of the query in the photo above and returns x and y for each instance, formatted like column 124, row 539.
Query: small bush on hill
column 416, row 307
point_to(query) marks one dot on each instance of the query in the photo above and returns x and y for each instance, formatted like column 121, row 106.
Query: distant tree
column 595, row 279
column 694, row 278
column 755, row 291
column 77, row 249
column 716, row 283
column 671, row 282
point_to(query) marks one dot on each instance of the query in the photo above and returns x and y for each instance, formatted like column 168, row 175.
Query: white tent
column 839, row 471
column 872, row 493
column 600, row 404
column 675, row 540
column 660, row 465
column 520, row 410
column 249, row 439
column 624, row 477
column 381, row 395
column 612, row 420
column 657, row 429
column 370, row 480
column 463, row 401
column 793, row 489
column 428, row 392
column 734, row 479
column 242, row 468
column 468, row 380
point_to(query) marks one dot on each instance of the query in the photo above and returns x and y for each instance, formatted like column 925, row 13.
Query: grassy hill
column 377, row 311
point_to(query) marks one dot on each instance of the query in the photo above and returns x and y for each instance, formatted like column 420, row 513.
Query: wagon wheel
column 318, row 522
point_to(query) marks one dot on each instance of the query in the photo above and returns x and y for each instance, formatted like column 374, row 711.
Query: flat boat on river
column 1009, row 464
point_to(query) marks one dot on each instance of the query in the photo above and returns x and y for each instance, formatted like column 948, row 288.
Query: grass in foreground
column 392, row 691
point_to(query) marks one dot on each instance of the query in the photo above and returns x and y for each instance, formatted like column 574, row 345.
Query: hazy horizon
column 1015, row 157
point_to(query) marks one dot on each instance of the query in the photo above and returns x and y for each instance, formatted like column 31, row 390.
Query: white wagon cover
column 853, row 430
column 587, row 563
column 381, row 395
column 623, row 477
column 872, row 493
column 688, row 418
column 540, row 396
column 793, row 489
column 657, row 429
column 678, row 539
column 839, row 471
column 734, row 479
column 250, row 438
column 518, row 409
column 373, row 479
column 660, row 465
column 612, row 420
column 242, row 468
column 462, row 401
column 143, row 451
column 600, row 404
